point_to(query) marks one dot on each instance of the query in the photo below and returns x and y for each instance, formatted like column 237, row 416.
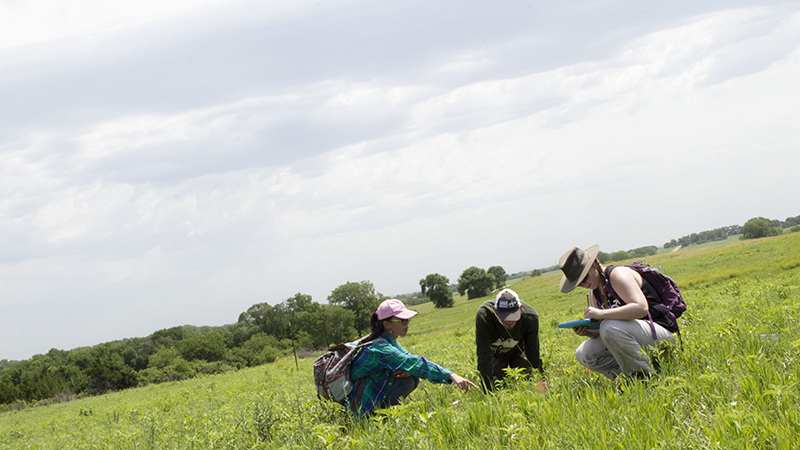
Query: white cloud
column 33, row 21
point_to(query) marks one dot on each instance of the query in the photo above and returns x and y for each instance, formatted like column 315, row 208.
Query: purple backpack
column 668, row 291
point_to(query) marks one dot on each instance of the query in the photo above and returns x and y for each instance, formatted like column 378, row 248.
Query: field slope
column 734, row 385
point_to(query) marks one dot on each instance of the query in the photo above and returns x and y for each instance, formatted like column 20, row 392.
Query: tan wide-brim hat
column 575, row 264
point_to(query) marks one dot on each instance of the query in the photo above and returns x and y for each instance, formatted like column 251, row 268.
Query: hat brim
column 405, row 314
column 509, row 316
column 589, row 256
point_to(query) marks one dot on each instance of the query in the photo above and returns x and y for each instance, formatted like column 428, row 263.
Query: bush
column 475, row 282
column 162, row 358
column 759, row 227
column 208, row 347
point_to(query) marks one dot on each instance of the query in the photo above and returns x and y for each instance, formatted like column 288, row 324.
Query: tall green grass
column 735, row 384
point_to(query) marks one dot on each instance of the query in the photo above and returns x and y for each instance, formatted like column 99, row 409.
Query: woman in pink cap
column 384, row 370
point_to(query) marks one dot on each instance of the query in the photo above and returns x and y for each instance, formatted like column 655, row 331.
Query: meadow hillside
column 734, row 385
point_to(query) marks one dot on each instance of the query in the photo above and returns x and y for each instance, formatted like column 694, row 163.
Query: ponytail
column 377, row 329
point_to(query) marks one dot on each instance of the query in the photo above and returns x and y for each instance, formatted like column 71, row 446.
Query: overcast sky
column 174, row 162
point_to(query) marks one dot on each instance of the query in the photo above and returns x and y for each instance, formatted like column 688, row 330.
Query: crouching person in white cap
column 506, row 336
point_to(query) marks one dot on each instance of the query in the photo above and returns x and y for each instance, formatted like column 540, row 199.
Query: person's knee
column 612, row 331
column 609, row 327
column 407, row 384
column 580, row 356
column 585, row 353
column 402, row 387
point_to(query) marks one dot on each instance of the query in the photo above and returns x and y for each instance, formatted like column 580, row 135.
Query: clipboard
column 592, row 324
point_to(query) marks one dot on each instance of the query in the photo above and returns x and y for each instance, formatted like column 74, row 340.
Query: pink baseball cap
column 394, row 308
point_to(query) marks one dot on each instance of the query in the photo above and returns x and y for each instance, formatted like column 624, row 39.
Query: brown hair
column 376, row 328
column 600, row 293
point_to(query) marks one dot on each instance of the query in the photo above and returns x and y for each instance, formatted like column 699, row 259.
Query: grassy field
column 734, row 386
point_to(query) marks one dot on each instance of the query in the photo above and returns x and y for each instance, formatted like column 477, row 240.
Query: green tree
column 108, row 371
column 168, row 336
column 643, row 251
column 435, row 287
column 791, row 222
column 329, row 325
column 300, row 303
column 269, row 319
column 759, row 227
column 475, row 282
column 499, row 274
column 361, row 298
column 208, row 347
column 163, row 358
column 619, row 255
column 260, row 349
column 8, row 392
column 301, row 309
column 536, row 273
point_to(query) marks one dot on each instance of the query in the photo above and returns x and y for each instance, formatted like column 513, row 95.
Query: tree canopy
column 475, row 282
column 499, row 274
column 435, row 287
column 359, row 297
column 759, row 227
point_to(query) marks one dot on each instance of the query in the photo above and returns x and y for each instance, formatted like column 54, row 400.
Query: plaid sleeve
column 394, row 357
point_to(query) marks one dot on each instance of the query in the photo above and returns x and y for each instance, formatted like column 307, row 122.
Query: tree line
column 757, row 227
column 261, row 334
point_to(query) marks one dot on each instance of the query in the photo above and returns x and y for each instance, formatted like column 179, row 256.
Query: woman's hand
column 586, row 332
column 463, row 383
column 594, row 313
column 581, row 331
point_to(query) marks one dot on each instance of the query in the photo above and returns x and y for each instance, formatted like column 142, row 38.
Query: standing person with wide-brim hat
column 619, row 300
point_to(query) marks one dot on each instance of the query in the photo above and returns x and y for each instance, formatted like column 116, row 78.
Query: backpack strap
column 361, row 346
column 509, row 333
column 611, row 292
column 357, row 397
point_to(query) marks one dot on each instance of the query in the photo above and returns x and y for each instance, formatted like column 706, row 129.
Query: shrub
column 759, row 227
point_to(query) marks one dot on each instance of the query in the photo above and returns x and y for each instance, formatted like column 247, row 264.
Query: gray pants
column 621, row 347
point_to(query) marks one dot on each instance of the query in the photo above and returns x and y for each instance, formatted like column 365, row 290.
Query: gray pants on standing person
column 621, row 347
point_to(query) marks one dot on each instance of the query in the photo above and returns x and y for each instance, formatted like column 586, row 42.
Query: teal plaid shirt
column 375, row 365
